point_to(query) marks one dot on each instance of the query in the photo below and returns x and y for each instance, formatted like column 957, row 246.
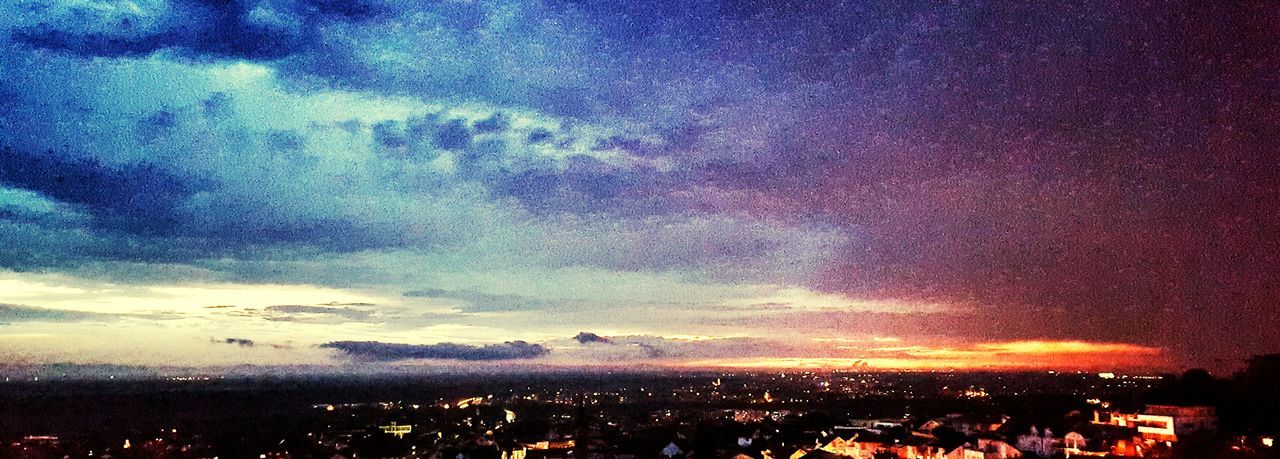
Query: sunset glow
column 1022, row 355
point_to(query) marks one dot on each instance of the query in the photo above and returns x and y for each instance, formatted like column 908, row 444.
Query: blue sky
column 704, row 182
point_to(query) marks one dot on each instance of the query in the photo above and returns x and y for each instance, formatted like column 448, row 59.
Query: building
column 996, row 449
column 871, row 445
column 1037, row 443
column 1187, row 419
column 1151, row 427
column 399, row 430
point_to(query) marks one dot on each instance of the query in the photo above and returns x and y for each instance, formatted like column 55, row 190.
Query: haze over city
column 349, row 186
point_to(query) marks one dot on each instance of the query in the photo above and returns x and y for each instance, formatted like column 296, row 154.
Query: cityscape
column 639, row 229
column 562, row 415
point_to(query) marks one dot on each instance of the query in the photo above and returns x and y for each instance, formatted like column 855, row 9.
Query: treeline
column 1247, row 401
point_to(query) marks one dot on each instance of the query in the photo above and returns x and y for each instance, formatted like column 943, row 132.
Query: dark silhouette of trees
column 1253, row 402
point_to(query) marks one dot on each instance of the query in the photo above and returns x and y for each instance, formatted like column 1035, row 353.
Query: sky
column 452, row 184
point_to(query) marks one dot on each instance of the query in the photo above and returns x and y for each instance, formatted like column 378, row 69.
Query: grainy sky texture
column 690, row 184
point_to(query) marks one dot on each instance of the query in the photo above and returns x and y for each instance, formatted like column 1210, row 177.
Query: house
column 997, row 449
column 1037, row 443
column 1187, row 419
column 1151, row 427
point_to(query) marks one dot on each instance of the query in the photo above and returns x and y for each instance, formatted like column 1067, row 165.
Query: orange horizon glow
column 1012, row 355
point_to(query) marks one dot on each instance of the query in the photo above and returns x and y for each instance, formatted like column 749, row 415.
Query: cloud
column 10, row 313
column 655, row 349
column 379, row 351
column 26, row 206
column 242, row 342
column 229, row 30
column 139, row 197
column 498, row 122
column 518, row 52
column 906, row 165
column 304, row 313
column 19, row 313
column 587, row 337
column 248, row 151
column 249, row 343
column 483, row 302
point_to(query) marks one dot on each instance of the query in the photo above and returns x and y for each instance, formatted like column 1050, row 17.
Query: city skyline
column 701, row 185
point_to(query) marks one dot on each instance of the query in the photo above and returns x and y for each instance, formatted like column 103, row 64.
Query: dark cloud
column 539, row 135
column 18, row 313
column 303, row 313
column 93, row 44
column 586, row 185
column 498, row 122
column 453, row 135
column 287, row 141
column 204, row 28
column 429, row 293
column 157, row 125
column 242, row 342
column 651, row 351
column 217, row 105
column 588, row 337
column 390, row 134
column 373, row 350
column 134, row 197
column 352, row 10
column 21, row 313
column 236, row 29
column 471, row 57
column 638, row 147
column 651, row 347
column 249, row 343
column 255, row 225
